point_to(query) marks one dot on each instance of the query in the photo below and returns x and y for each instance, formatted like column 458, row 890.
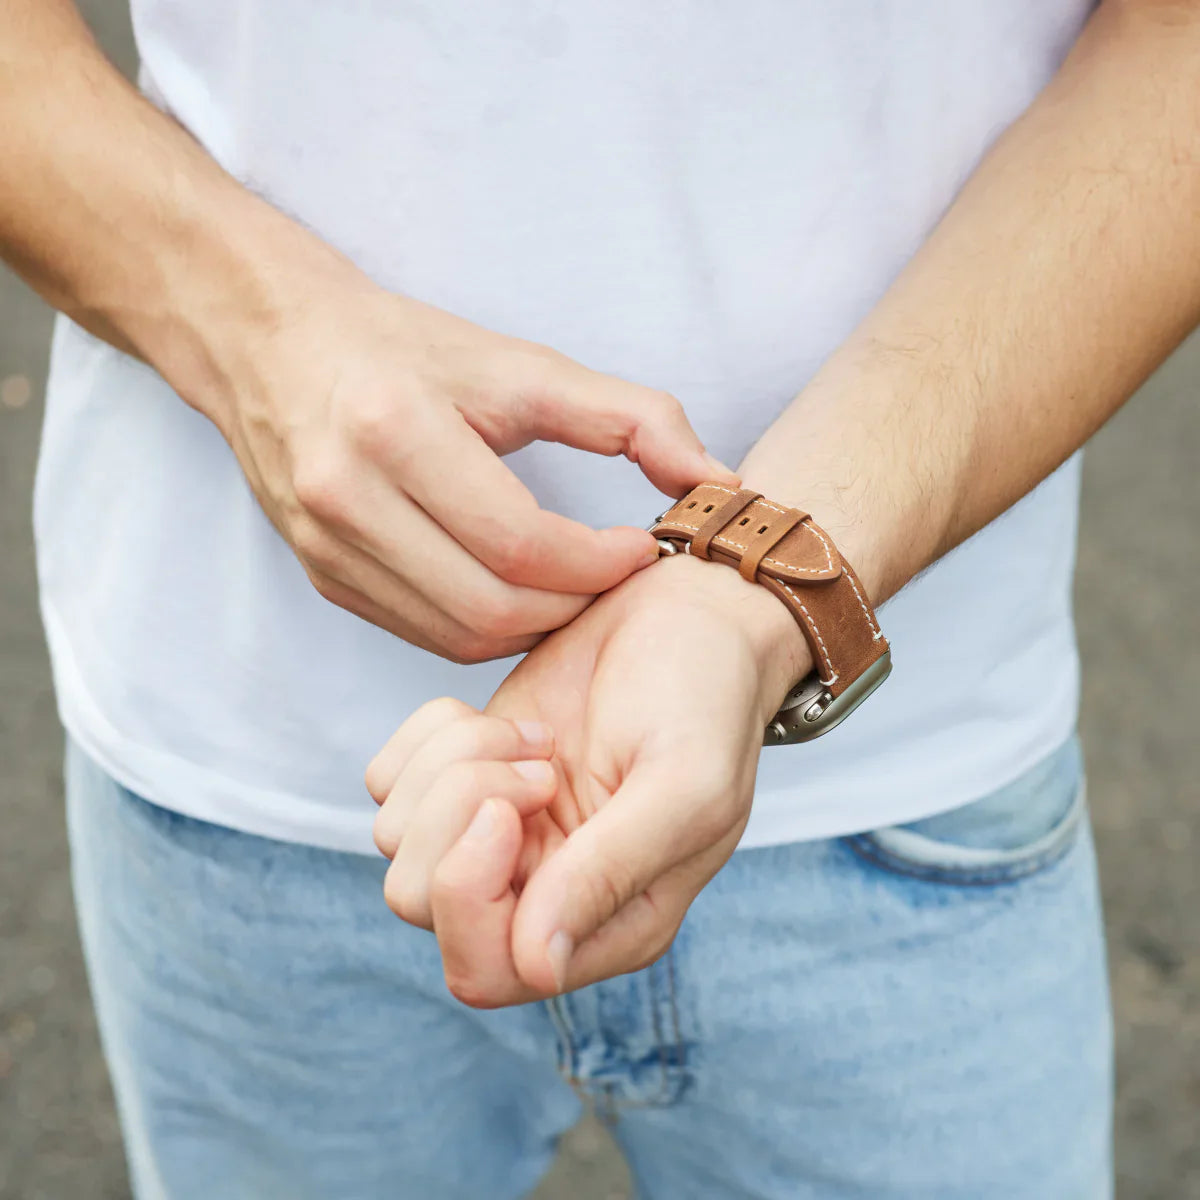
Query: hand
column 559, row 837
column 369, row 427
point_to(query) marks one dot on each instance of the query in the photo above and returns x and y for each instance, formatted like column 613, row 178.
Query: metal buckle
column 668, row 546
column 809, row 711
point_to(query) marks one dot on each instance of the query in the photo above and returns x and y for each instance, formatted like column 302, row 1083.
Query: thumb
column 587, row 912
column 596, row 412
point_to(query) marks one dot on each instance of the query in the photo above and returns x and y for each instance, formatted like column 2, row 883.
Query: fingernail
column 536, row 770
column 536, row 733
column 558, row 951
column 483, row 825
column 651, row 556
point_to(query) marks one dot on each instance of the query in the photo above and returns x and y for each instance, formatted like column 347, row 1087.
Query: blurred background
column 1137, row 585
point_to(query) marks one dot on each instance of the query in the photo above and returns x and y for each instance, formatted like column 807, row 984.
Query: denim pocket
column 1008, row 835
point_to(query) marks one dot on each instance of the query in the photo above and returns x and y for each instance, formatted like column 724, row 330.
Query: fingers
column 443, row 761
column 420, row 837
column 472, row 736
column 377, row 542
column 470, row 492
column 653, row 825
column 473, row 904
column 398, row 619
column 640, row 932
column 482, row 943
column 438, row 768
column 384, row 769
column 592, row 411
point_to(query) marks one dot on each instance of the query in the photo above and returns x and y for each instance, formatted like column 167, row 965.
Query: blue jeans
column 911, row 1014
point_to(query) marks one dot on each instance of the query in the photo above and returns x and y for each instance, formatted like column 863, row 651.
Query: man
column 897, row 266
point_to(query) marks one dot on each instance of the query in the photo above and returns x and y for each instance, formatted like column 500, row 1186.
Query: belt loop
column 717, row 516
column 760, row 544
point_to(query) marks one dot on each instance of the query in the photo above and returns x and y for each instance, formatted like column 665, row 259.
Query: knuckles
column 534, row 373
column 470, row 991
column 377, row 782
column 468, row 649
column 463, row 778
column 665, row 406
column 375, row 426
column 494, row 618
column 323, row 485
column 469, row 646
column 386, row 837
column 513, row 555
column 446, row 708
column 407, row 899
column 317, row 550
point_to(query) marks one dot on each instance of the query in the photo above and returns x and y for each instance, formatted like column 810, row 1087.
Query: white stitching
column 878, row 633
column 807, row 526
column 811, row 528
column 722, row 540
column 817, row 634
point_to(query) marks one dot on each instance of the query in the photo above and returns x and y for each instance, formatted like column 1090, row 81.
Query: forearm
column 1065, row 271
column 118, row 217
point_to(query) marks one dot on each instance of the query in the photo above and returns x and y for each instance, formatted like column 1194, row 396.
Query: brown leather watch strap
column 787, row 552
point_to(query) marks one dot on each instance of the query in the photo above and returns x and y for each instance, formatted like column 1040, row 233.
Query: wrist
column 794, row 559
column 750, row 613
column 235, row 272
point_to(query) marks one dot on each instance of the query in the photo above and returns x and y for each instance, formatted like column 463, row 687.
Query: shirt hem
column 779, row 816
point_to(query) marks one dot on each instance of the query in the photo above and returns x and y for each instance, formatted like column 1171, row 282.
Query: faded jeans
column 911, row 1014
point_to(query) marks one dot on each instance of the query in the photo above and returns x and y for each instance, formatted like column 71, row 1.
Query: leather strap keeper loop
column 762, row 542
column 785, row 551
column 717, row 517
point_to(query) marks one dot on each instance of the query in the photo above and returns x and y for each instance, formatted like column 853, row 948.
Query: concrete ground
column 1139, row 571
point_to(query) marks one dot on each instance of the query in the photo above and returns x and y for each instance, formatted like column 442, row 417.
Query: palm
column 656, row 697
column 622, row 696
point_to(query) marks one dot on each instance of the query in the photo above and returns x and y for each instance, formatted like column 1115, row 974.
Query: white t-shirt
column 699, row 195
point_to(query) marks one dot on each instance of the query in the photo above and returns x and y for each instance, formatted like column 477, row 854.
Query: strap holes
column 708, row 508
column 762, row 529
column 692, row 505
column 744, row 521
